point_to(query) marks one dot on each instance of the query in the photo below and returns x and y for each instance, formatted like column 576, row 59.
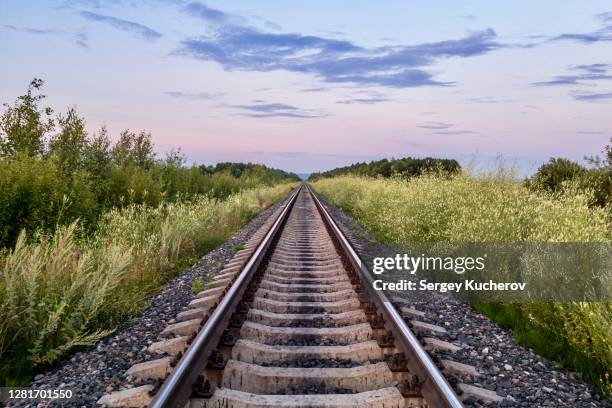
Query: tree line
column 555, row 176
column 406, row 167
column 53, row 172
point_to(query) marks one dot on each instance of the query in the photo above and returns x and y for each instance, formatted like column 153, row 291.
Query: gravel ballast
column 101, row 368
column 513, row 371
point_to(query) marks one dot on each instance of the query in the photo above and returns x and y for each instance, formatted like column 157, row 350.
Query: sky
column 308, row 86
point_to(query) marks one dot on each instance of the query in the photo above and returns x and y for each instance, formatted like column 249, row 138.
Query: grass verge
column 495, row 208
column 59, row 292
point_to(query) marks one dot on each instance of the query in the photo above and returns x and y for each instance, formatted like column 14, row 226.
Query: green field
column 496, row 208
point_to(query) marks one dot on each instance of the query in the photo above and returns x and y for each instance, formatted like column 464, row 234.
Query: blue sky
column 313, row 85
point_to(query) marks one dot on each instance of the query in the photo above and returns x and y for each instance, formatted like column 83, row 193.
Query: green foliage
column 406, row 168
column 605, row 161
column 37, row 195
column 599, row 182
column 63, row 290
column 237, row 247
column 559, row 175
column 196, row 285
column 51, row 179
column 579, row 344
column 469, row 209
column 250, row 173
column 68, row 146
column 553, row 175
column 107, row 224
column 50, row 295
column 134, row 150
column 24, row 126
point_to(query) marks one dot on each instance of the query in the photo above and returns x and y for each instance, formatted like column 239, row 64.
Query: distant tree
column 24, row 125
column 134, row 149
column 599, row 179
column 69, row 145
column 142, row 150
column 250, row 171
column 176, row 158
column 602, row 162
column 406, row 167
column 551, row 176
column 97, row 159
column 53, row 173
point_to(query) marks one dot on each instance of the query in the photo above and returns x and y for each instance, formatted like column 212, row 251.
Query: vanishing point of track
column 292, row 321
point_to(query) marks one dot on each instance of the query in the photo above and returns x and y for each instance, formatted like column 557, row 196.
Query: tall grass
column 495, row 208
column 62, row 291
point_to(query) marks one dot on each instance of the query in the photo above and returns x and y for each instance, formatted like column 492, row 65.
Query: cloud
column 125, row 25
column 262, row 109
column 453, row 132
column 273, row 26
column 436, row 125
column 605, row 17
column 79, row 38
column 97, row 4
column 488, row 99
column 602, row 34
column 589, row 132
column 597, row 36
column 591, row 96
column 204, row 12
column 584, row 73
column 193, row 96
column 82, row 40
column 368, row 100
column 37, row 31
column 315, row 89
column 236, row 46
column 594, row 68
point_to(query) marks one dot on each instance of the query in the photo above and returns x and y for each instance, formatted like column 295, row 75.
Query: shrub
column 24, row 125
column 551, row 176
column 196, row 285
column 51, row 179
column 561, row 174
column 599, row 182
column 66, row 290
column 36, row 195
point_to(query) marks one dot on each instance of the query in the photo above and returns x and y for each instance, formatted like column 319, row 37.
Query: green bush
column 552, row 176
column 63, row 290
column 599, row 182
column 561, row 174
column 53, row 173
column 36, row 194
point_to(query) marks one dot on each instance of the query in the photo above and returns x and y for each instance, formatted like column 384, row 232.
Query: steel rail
column 176, row 389
column 434, row 387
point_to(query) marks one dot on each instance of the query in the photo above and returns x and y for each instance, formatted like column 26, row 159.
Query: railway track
column 291, row 322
